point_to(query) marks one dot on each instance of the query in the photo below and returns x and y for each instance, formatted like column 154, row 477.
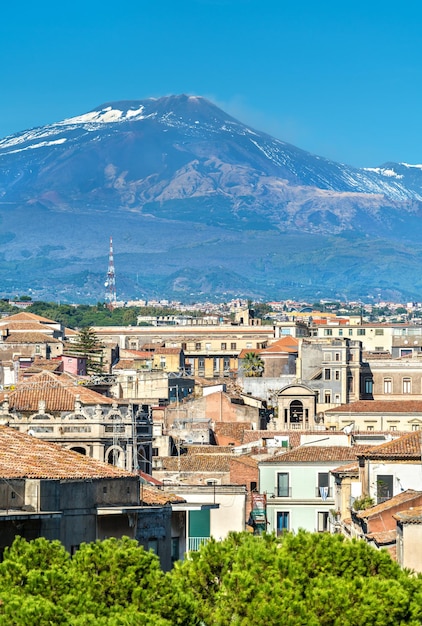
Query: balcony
column 323, row 492
column 195, row 543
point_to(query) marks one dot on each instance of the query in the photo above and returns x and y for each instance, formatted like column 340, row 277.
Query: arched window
column 296, row 412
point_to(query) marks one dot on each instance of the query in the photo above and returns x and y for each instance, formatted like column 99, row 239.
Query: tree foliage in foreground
column 308, row 579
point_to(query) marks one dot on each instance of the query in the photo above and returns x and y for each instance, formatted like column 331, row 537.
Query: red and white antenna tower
column 110, row 284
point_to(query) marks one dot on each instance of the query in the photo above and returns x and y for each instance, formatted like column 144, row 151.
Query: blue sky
column 339, row 79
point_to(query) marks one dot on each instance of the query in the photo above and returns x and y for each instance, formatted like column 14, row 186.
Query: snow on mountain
column 180, row 172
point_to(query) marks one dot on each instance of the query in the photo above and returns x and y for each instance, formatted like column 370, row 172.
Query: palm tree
column 252, row 364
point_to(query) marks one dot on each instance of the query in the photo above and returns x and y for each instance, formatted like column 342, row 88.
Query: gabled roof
column 286, row 344
column 316, row 454
column 401, row 498
column 58, row 392
column 26, row 316
column 405, row 447
column 30, row 337
column 22, row 456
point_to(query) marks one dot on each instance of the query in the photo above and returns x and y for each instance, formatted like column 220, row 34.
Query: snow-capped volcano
column 156, row 168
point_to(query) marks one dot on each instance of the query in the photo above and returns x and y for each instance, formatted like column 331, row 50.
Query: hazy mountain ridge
column 181, row 173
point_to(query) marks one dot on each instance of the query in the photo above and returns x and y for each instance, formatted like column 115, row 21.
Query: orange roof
column 401, row 498
column 26, row 316
column 405, row 447
column 316, row 454
column 30, row 337
column 380, row 406
column 286, row 344
column 58, row 392
column 153, row 496
column 198, row 463
column 23, row 456
column 246, row 351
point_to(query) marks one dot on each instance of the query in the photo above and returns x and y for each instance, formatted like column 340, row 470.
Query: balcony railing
column 323, row 492
column 284, row 493
column 196, row 542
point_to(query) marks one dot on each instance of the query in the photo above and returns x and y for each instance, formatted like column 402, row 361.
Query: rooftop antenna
column 110, row 284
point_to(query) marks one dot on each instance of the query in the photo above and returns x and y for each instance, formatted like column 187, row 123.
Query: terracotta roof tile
column 351, row 469
column 30, row 337
column 232, row 430
column 383, row 537
column 153, row 496
column 22, row 456
column 25, row 315
column 286, row 344
column 58, row 392
column 405, row 447
column 198, row 463
column 316, row 454
column 413, row 515
column 206, row 449
column 401, row 498
column 379, row 406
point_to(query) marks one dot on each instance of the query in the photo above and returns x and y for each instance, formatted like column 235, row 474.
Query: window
column 379, row 331
column 368, row 385
column 322, row 521
column 226, row 362
column 350, row 384
column 184, row 346
column 232, row 346
column 323, row 485
column 337, row 375
column 201, row 362
column 388, row 385
column 407, row 388
column 340, row 332
column 416, row 426
column 337, row 356
column 369, row 428
column 360, row 331
column 283, row 522
column 328, row 332
column 350, row 332
column 253, row 485
column 327, row 397
column 224, row 346
column 175, row 549
column 393, row 427
column 207, row 346
column 155, row 452
column 327, row 374
column 153, row 545
column 283, row 485
column 197, row 346
column 249, row 344
column 384, row 487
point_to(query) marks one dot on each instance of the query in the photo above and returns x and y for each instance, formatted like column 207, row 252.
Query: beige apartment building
column 209, row 352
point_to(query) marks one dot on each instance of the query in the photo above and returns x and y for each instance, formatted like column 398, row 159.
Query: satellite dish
column 348, row 429
column 106, row 283
column 31, row 433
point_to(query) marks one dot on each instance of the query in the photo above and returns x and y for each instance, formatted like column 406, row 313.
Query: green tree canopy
column 304, row 578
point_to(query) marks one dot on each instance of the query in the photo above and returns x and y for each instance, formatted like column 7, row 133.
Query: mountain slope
column 180, row 184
